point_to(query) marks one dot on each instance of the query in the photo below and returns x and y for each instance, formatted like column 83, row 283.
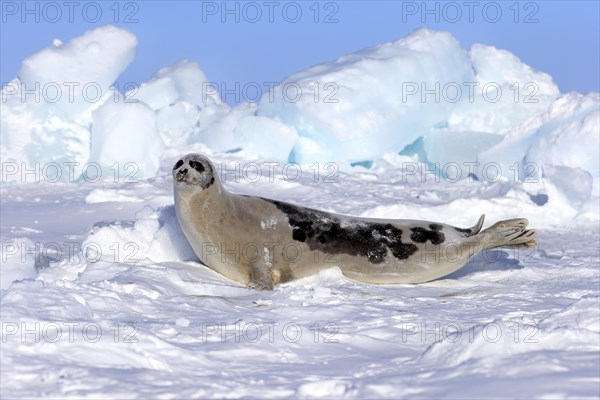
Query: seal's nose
column 180, row 175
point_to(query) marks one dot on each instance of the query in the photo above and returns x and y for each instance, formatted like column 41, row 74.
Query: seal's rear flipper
column 510, row 234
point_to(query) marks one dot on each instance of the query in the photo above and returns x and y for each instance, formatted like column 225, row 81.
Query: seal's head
column 194, row 170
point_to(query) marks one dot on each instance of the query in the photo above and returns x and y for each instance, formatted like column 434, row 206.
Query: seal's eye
column 197, row 166
column 178, row 164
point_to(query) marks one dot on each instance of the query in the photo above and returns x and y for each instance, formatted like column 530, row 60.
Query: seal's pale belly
column 231, row 242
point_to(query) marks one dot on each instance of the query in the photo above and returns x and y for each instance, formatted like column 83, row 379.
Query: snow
column 565, row 135
column 434, row 86
column 94, row 59
column 253, row 134
column 15, row 265
column 341, row 106
column 528, row 320
column 46, row 111
column 103, row 296
column 125, row 133
column 506, row 92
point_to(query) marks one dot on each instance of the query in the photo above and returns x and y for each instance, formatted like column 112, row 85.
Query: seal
column 261, row 242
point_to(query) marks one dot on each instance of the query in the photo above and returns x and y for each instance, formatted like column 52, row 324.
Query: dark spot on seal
column 198, row 166
column 178, row 164
column 321, row 231
column 298, row 234
column 422, row 235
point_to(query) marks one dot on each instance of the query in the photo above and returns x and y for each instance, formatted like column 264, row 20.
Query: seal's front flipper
column 260, row 277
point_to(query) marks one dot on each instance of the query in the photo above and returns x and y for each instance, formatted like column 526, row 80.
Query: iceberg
column 421, row 95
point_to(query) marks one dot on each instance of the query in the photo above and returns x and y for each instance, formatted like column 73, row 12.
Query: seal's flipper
column 474, row 230
column 477, row 227
column 260, row 277
column 510, row 234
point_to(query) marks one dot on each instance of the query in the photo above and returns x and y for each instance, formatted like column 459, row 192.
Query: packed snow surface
column 102, row 294
column 134, row 314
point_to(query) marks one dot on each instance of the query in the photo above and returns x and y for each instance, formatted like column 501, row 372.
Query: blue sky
column 265, row 41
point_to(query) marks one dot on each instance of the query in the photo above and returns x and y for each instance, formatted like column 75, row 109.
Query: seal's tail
column 510, row 234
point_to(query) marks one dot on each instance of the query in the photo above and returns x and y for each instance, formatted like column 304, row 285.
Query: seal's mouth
column 181, row 174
